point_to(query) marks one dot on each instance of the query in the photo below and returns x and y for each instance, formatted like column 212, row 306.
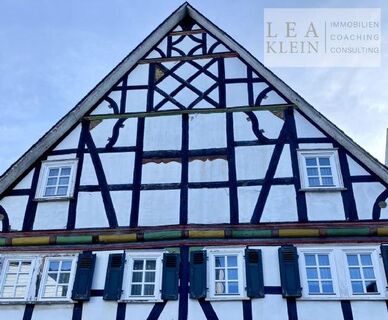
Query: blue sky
column 53, row 52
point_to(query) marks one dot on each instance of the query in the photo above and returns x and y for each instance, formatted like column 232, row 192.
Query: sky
column 52, row 53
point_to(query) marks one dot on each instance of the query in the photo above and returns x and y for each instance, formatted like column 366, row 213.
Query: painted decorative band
column 216, row 233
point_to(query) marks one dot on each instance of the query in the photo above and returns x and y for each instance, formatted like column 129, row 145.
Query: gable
column 191, row 133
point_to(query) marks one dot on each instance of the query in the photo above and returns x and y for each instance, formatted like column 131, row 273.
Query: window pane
column 327, row 181
column 366, row 259
column 49, row 291
column 149, row 277
column 62, row 191
column 313, row 286
column 312, row 172
column 66, row 265
column 310, row 259
column 220, row 274
column 325, row 273
column 220, row 287
column 49, row 191
column 151, row 264
column 352, row 260
column 65, row 171
column 220, row 261
column 63, row 181
column 325, row 171
column 324, row 161
column 357, row 287
column 368, row 273
column 355, row 273
column 232, row 261
column 10, row 279
column 149, row 289
column 7, row 292
column 54, row 266
column 51, row 181
column 233, row 287
column 53, row 172
column 232, row 274
column 311, row 161
column 137, row 276
column 51, row 278
column 371, row 286
column 62, row 291
column 20, row 291
column 138, row 264
column 64, row 278
column 136, row 290
column 323, row 259
column 23, row 279
column 327, row 287
column 314, row 182
column 312, row 273
column 25, row 267
column 13, row 266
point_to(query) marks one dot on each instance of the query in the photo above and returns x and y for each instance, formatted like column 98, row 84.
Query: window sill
column 24, row 302
column 49, row 199
column 376, row 297
column 152, row 300
column 322, row 189
column 226, row 298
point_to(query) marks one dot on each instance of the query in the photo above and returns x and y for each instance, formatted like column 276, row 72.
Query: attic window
column 319, row 169
column 56, row 180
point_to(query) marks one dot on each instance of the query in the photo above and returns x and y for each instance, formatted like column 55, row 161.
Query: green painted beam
column 74, row 239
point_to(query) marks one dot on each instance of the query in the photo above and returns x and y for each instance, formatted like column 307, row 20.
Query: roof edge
column 49, row 139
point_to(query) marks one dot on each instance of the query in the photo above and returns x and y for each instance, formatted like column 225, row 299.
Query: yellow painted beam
column 30, row 241
column 109, row 238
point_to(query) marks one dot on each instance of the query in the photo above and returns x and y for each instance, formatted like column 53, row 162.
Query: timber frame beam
column 273, row 107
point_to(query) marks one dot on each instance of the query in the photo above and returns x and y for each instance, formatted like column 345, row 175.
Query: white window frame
column 303, row 275
column 340, row 273
column 334, row 164
column 211, row 254
column 43, row 176
column 32, row 276
column 381, row 287
column 128, row 269
column 44, row 276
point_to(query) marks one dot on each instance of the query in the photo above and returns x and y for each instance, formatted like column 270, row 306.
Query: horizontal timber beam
column 183, row 233
column 183, row 33
column 271, row 107
column 188, row 58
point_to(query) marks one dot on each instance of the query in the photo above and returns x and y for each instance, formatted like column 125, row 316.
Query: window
column 341, row 273
column 319, row 169
column 361, row 273
column 226, row 273
column 19, row 277
column 56, row 179
column 318, row 273
column 16, row 278
column 57, row 278
column 144, row 271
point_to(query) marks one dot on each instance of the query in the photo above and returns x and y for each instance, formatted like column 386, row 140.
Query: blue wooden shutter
column 254, row 273
column 289, row 271
column 198, row 274
column 170, row 277
column 114, row 276
column 384, row 255
column 84, row 276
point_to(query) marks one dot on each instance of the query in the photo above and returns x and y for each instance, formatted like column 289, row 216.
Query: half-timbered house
column 192, row 183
